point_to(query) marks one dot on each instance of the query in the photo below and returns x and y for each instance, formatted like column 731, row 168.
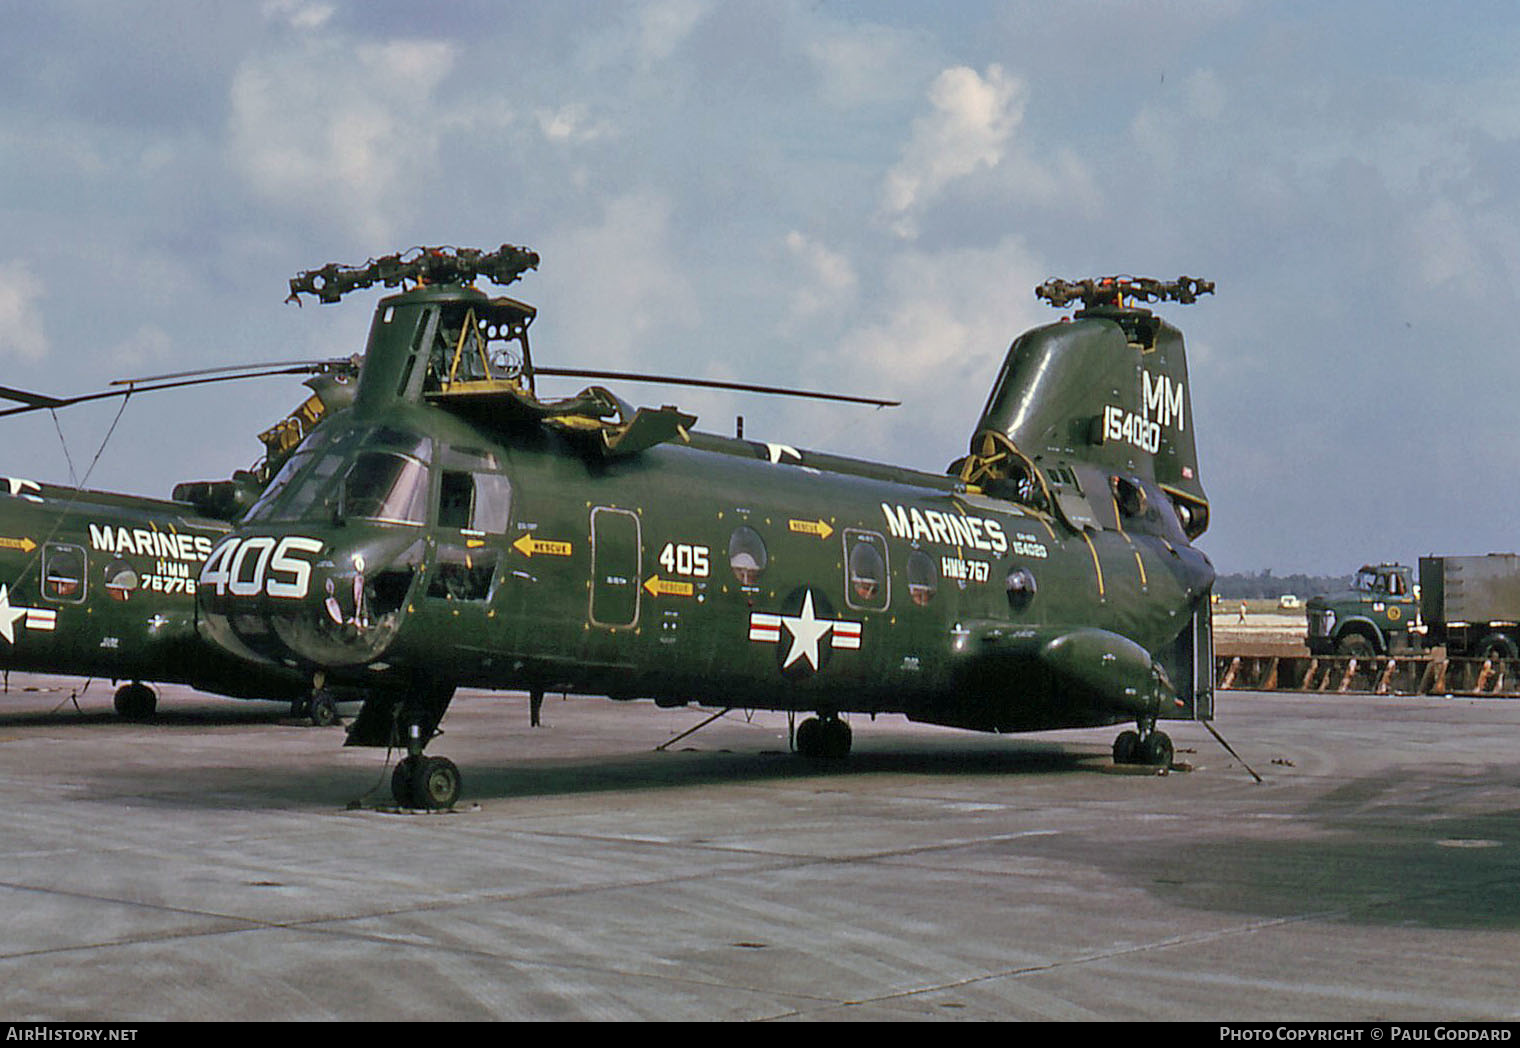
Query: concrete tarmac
column 207, row 867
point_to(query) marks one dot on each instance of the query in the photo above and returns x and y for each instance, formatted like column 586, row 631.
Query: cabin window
column 1020, row 587
column 866, row 566
column 747, row 556
column 1129, row 496
column 387, row 487
column 63, row 572
column 923, row 577
column 121, row 580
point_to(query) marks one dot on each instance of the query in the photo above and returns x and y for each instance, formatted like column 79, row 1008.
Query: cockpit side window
column 493, row 502
column 477, row 501
column 456, row 499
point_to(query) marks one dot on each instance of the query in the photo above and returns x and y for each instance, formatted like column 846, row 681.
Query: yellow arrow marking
column 528, row 546
column 659, row 587
column 811, row 527
column 25, row 545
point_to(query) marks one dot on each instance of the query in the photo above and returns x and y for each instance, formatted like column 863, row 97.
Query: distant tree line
column 1245, row 586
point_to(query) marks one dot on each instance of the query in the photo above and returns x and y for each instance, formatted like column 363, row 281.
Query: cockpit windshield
column 367, row 474
column 386, row 486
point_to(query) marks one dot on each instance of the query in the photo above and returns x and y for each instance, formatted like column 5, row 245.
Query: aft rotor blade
column 743, row 387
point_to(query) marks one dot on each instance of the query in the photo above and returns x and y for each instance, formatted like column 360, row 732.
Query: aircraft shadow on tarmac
column 66, row 714
column 297, row 783
column 690, row 769
column 1416, row 849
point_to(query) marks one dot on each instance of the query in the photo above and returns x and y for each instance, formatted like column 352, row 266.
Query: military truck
column 1471, row 605
column 1377, row 615
column 1468, row 605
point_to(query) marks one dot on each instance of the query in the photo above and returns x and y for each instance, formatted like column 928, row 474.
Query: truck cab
column 1375, row 616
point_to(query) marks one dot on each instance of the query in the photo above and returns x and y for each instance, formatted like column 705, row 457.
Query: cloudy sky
column 857, row 196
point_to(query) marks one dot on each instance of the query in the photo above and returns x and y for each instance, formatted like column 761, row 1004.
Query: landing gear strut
column 824, row 736
column 397, row 719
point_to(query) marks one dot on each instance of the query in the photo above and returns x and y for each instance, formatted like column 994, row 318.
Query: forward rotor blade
column 36, row 402
column 284, row 365
column 743, row 387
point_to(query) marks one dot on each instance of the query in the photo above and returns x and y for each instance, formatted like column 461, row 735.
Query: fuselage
column 103, row 585
column 423, row 548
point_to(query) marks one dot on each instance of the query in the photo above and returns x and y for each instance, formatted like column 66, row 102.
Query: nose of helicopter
column 299, row 600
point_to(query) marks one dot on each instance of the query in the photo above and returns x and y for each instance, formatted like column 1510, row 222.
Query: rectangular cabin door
column 465, row 550
column 615, row 567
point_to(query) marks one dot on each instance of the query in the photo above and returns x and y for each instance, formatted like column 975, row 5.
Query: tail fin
column 1106, row 388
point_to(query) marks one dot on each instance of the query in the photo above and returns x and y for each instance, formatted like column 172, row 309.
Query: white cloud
column 299, row 14
column 973, row 119
column 331, row 130
column 861, row 64
column 572, row 124
column 150, row 343
column 619, row 286
column 828, row 279
column 940, row 327
column 664, row 24
column 21, row 333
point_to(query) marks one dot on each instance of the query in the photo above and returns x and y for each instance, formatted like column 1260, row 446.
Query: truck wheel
column 1497, row 646
column 1356, row 645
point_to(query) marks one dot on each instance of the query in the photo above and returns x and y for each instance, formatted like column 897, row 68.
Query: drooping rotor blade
column 37, row 402
column 285, row 368
column 742, row 387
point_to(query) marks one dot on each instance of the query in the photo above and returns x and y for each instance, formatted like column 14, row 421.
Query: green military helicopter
column 102, row 584
column 452, row 529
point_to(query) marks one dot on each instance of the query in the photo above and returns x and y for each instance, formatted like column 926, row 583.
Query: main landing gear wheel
column 136, row 701
column 426, row 782
column 824, row 737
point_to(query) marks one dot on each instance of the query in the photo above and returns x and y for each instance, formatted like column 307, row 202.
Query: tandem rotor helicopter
column 453, row 529
column 102, row 585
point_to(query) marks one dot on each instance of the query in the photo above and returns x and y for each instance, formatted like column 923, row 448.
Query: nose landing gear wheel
column 1154, row 749
column 426, row 782
column 1125, row 747
column 323, row 709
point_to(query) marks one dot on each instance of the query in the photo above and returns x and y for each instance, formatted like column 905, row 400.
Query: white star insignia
column 9, row 616
column 806, row 631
